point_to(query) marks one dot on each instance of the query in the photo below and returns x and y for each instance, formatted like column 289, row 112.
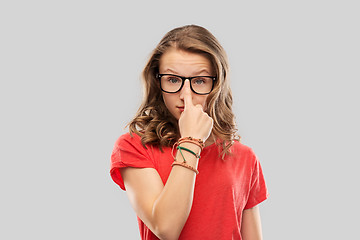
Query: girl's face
column 186, row 64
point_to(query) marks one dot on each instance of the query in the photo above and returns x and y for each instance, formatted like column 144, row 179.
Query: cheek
column 167, row 100
column 202, row 101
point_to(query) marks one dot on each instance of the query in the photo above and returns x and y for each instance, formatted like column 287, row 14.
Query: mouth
column 181, row 109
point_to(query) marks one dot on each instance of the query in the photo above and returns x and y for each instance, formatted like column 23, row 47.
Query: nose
column 185, row 88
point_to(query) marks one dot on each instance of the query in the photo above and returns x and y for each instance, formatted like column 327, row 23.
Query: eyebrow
column 197, row 73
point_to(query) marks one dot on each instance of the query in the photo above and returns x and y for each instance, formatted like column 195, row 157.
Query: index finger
column 187, row 95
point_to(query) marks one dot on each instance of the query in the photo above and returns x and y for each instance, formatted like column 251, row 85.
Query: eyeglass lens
column 201, row 85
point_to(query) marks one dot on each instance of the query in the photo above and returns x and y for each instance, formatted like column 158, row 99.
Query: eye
column 174, row 80
column 199, row 81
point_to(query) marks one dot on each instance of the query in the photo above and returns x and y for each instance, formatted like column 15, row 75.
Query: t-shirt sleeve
column 258, row 191
column 128, row 152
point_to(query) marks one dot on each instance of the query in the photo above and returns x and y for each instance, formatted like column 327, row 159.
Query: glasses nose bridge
column 183, row 83
column 186, row 78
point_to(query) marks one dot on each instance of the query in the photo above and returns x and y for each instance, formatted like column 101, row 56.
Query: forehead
column 184, row 63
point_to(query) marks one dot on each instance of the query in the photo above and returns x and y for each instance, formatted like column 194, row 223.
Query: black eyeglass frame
column 158, row 76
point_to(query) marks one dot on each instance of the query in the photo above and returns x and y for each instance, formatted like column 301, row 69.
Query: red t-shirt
column 223, row 188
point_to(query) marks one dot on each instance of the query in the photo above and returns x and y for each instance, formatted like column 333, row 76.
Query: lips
column 181, row 109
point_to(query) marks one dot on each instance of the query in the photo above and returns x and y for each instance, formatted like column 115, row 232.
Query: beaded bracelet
column 183, row 164
column 189, row 139
column 196, row 141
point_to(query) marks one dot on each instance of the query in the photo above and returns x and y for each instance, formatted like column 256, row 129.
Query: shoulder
column 244, row 152
column 241, row 148
column 128, row 139
column 131, row 143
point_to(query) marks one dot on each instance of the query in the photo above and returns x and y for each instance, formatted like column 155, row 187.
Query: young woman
column 185, row 172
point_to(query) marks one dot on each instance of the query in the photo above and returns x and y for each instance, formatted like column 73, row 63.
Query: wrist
column 191, row 146
column 188, row 157
column 196, row 141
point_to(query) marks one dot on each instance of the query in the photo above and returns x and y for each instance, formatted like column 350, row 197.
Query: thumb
column 187, row 95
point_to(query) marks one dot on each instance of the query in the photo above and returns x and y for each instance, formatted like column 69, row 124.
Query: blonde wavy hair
column 154, row 123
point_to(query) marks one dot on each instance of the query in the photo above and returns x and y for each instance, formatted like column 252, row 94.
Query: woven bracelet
column 193, row 142
column 196, row 141
column 183, row 164
column 188, row 150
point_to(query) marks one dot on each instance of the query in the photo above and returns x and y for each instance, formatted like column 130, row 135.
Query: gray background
column 70, row 82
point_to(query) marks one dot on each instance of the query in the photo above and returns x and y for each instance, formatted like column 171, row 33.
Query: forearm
column 171, row 209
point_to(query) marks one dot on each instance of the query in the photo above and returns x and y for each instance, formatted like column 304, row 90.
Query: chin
column 176, row 116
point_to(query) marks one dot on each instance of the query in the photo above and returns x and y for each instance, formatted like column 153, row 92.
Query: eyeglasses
column 201, row 85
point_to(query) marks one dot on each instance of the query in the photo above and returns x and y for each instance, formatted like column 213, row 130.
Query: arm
column 165, row 209
column 251, row 224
